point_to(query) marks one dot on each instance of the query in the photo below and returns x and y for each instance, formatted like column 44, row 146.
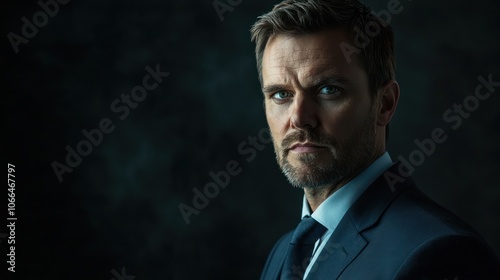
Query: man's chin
column 315, row 174
column 305, row 161
column 305, row 182
column 308, row 176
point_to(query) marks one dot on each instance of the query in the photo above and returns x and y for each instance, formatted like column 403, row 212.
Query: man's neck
column 316, row 196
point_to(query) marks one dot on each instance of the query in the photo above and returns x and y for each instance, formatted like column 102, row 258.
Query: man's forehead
column 311, row 46
column 304, row 71
column 307, row 55
column 279, row 56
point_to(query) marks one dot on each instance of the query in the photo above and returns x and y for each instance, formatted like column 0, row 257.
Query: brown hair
column 297, row 17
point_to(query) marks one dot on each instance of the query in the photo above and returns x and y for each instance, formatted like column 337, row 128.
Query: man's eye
column 329, row 90
column 281, row 95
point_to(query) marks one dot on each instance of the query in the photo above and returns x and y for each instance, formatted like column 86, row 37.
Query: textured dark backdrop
column 119, row 207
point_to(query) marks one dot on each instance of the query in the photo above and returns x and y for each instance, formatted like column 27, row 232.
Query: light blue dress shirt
column 330, row 212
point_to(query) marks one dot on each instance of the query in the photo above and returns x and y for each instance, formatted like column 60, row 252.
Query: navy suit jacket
column 394, row 231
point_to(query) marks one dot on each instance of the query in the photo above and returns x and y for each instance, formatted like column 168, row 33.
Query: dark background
column 119, row 207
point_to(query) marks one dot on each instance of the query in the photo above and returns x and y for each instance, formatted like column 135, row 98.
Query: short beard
column 347, row 159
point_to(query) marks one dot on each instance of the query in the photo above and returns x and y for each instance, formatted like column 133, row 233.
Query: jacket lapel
column 342, row 247
column 346, row 242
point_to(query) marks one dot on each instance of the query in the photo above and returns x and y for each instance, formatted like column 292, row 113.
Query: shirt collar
column 330, row 212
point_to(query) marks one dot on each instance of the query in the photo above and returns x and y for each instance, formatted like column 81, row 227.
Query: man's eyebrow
column 328, row 80
column 273, row 88
column 325, row 80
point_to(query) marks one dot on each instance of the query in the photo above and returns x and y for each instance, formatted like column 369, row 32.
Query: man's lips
column 306, row 148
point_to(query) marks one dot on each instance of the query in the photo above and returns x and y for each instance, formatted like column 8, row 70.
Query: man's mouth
column 306, row 147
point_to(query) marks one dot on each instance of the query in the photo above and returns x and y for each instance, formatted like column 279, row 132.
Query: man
column 330, row 94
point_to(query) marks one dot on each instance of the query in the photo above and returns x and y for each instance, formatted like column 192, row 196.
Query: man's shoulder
column 414, row 235
column 419, row 215
column 412, row 218
column 414, row 209
column 402, row 207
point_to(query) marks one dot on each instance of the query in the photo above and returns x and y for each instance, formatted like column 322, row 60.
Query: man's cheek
column 277, row 126
column 341, row 126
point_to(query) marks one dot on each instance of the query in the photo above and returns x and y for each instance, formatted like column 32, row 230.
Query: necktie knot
column 308, row 231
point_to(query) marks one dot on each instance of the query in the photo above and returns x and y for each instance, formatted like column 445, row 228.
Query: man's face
column 318, row 107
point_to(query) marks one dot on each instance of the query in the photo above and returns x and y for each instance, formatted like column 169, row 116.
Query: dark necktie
column 305, row 236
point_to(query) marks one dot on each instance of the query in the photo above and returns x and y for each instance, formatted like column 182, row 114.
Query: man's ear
column 387, row 102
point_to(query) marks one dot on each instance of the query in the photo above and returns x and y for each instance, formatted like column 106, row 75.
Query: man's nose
column 304, row 112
